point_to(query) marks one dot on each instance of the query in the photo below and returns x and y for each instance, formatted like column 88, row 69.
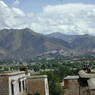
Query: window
column 12, row 88
column 23, row 85
column 19, row 86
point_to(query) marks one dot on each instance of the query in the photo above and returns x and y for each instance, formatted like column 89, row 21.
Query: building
column 37, row 85
column 83, row 84
column 70, row 85
column 12, row 83
column 20, row 83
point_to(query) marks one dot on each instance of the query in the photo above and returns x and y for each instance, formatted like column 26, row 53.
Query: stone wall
column 71, row 87
column 35, row 86
column 4, row 86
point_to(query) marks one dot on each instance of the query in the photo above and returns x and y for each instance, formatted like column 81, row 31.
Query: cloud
column 11, row 17
column 75, row 18
column 16, row 2
column 18, row 12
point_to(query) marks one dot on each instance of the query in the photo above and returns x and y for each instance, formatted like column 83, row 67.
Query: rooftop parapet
column 12, row 73
column 37, row 76
column 71, row 77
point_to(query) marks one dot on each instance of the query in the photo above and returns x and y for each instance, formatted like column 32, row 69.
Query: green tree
column 54, row 83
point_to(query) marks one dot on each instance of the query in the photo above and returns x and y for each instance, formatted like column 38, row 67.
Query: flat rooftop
column 12, row 73
column 37, row 76
column 71, row 77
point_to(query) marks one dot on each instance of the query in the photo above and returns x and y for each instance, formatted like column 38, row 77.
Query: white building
column 12, row 83
column 18, row 83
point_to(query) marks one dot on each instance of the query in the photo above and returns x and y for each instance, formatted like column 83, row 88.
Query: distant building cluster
column 22, row 83
column 82, row 84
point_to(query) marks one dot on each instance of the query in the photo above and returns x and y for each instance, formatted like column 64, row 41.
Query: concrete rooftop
column 71, row 77
column 12, row 73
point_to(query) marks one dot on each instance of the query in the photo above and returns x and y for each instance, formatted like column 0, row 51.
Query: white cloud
column 16, row 2
column 18, row 12
column 67, row 18
column 10, row 17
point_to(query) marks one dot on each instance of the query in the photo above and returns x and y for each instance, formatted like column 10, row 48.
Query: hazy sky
column 47, row 16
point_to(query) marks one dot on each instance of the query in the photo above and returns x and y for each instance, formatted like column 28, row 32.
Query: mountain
column 84, row 43
column 66, row 37
column 24, row 43
column 79, row 44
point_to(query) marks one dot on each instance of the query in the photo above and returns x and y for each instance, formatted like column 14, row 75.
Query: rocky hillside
column 23, row 43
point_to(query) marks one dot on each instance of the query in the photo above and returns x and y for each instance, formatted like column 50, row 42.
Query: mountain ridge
column 25, row 43
column 62, row 36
